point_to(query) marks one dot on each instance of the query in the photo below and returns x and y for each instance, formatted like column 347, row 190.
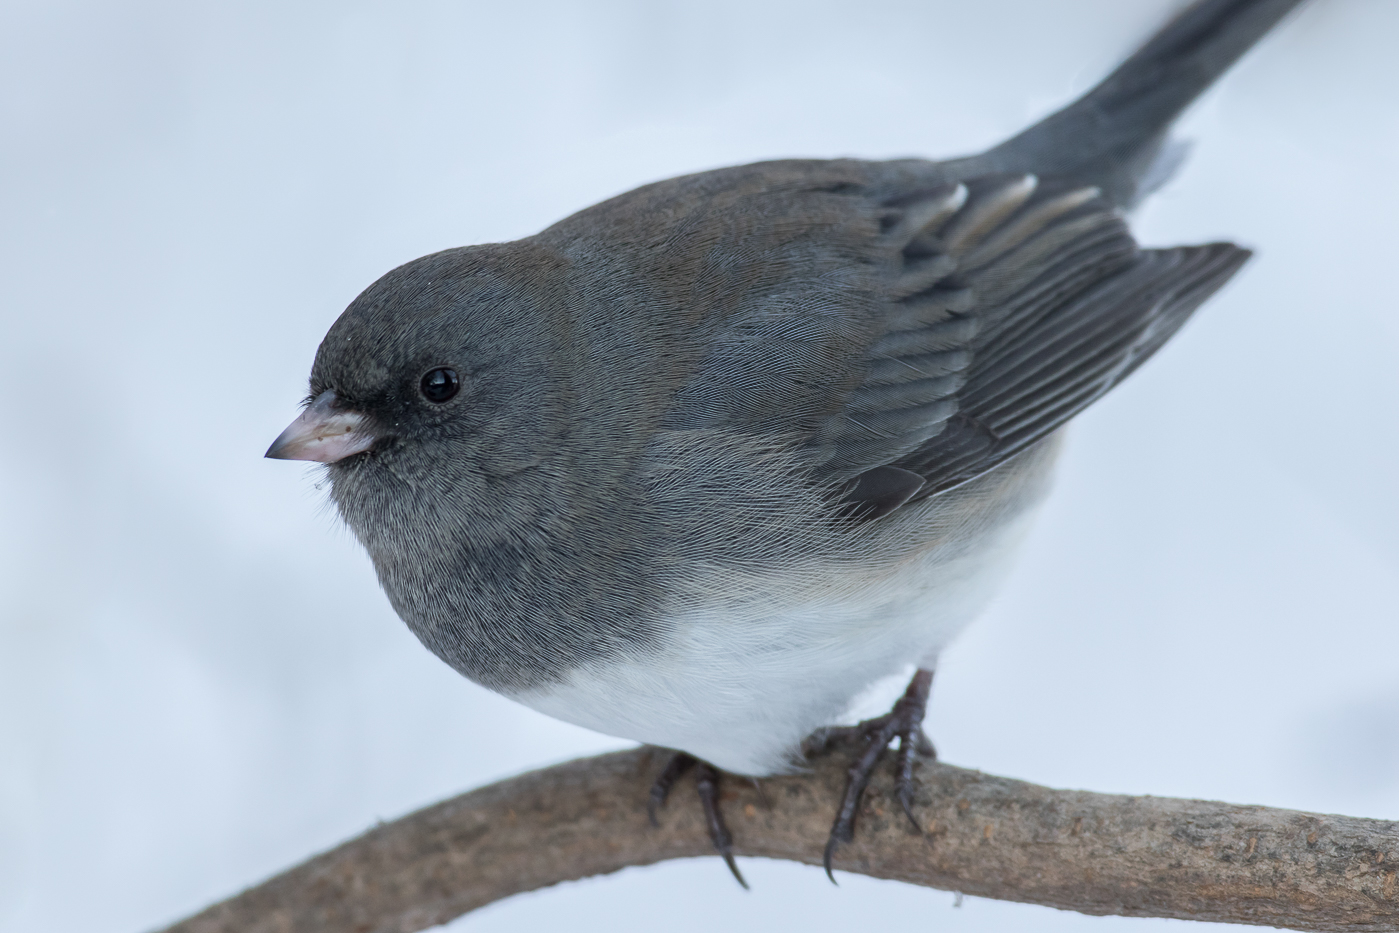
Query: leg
column 707, row 783
column 904, row 722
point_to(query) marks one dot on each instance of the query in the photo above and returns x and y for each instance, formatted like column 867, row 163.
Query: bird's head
column 436, row 382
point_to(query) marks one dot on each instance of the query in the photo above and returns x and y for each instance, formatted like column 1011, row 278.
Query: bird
column 698, row 464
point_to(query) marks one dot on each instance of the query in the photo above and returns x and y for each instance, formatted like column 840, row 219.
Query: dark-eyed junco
column 698, row 464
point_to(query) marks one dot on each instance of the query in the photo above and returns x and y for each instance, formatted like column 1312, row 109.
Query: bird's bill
column 323, row 433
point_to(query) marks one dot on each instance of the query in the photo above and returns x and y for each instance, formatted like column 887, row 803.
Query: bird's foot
column 707, row 784
column 904, row 722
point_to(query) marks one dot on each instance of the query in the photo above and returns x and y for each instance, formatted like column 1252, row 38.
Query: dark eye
column 439, row 385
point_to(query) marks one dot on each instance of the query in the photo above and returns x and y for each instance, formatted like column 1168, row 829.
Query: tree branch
column 983, row 835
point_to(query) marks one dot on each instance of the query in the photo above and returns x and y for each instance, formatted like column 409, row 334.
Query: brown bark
column 983, row 835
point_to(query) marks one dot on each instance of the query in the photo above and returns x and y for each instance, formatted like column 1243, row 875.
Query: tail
column 1112, row 136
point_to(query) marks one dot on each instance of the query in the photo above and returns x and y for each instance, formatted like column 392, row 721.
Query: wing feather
column 912, row 333
column 1042, row 304
column 1070, row 359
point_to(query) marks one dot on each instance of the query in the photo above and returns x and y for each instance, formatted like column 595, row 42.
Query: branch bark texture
column 982, row 835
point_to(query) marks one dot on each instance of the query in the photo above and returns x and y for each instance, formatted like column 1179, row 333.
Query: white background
column 200, row 682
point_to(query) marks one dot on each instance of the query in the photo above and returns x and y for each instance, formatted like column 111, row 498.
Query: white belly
column 749, row 665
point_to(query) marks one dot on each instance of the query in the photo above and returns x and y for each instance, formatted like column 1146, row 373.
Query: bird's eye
column 439, row 385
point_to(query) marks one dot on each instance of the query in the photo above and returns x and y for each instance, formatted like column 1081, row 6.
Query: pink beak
column 323, row 434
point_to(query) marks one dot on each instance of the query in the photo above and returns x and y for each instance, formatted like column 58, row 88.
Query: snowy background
column 200, row 682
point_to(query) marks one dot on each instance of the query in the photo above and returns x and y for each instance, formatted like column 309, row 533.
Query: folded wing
column 1012, row 307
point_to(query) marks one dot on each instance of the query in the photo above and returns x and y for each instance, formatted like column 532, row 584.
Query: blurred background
column 200, row 682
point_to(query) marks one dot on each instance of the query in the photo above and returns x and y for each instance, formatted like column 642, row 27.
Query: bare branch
column 983, row 835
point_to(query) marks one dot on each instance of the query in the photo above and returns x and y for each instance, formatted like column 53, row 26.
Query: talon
column 826, row 858
column 707, row 783
column 904, row 721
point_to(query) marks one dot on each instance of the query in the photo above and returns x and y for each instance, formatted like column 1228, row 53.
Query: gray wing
column 1012, row 307
column 940, row 332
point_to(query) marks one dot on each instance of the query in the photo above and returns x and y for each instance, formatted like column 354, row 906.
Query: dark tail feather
column 1111, row 136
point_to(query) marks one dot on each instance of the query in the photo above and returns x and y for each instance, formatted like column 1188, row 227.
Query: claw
column 707, row 783
column 831, row 842
column 905, row 722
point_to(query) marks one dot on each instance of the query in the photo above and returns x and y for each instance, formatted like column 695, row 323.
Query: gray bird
column 698, row 464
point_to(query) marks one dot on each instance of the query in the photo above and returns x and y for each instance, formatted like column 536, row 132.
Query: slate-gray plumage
column 727, row 448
